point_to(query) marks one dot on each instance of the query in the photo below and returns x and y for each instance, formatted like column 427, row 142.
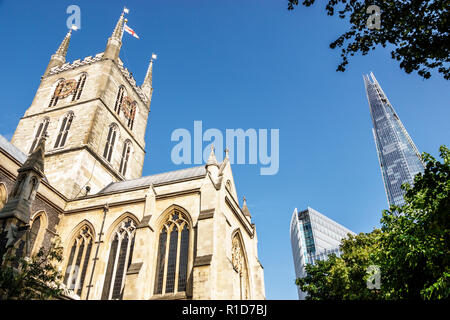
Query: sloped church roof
column 160, row 178
column 12, row 150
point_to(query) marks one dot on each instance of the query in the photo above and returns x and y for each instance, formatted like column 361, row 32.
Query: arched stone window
column 64, row 130
column 240, row 266
column 78, row 260
column 119, row 99
column 80, row 85
column 120, row 254
column 55, row 98
column 110, row 140
column 125, row 157
column 41, row 130
column 3, row 195
column 132, row 115
column 172, row 259
column 37, row 231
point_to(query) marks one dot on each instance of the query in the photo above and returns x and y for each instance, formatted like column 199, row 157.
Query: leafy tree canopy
column 418, row 30
column 32, row 278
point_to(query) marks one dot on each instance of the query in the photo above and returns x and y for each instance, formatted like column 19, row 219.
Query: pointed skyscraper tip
column 35, row 160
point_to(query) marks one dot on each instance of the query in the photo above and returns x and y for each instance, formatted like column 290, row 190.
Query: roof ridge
column 163, row 177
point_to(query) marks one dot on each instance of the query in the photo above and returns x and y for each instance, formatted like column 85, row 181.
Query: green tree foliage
column 416, row 248
column 411, row 248
column 417, row 30
column 344, row 277
column 32, row 278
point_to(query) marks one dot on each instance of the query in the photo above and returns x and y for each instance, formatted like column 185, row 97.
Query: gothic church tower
column 95, row 116
column 73, row 172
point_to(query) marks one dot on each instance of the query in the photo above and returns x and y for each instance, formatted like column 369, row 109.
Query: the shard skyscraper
column 399, row 158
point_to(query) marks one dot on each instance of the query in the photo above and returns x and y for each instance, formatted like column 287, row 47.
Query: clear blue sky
column 243, row 64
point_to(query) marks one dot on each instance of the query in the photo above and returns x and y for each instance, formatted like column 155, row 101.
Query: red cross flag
column 130, row 31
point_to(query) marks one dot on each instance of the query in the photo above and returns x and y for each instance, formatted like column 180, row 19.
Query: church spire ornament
column 15, row 216
column 59, row 58
column 115, row 41
column 146, row 86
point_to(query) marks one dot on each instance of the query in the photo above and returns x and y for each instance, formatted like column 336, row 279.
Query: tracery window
column 120, row 255
column 125, row 157
column 110, row 141
column 79, row 89
column 172, row 259
column 131, row 115
column 240, row 266
column 42, row 129
column 119, row 99
column 55, row 96
column 80, row 252
column 64, row 130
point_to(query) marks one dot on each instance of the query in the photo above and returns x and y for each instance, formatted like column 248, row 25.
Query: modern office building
column 399, row 158
column 313, row 237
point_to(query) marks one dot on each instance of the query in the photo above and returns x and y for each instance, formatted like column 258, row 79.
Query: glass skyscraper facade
column 313, row 237
column 399, row 158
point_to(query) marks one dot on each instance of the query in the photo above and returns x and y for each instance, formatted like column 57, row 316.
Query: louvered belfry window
column 55, row 98
column 110, row 141
column 64, row 130
column 80, row 86
column 125, row 157
column 42, row 129
column 119, row 99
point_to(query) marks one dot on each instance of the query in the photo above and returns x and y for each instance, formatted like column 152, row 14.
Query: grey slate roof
column 12, row 150
column 161, row 178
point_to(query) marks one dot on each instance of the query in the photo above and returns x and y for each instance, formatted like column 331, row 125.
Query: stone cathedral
column 73, row 171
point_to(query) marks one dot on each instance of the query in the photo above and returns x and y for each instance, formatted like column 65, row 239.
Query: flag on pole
column 130, row 31
column 126, row 10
